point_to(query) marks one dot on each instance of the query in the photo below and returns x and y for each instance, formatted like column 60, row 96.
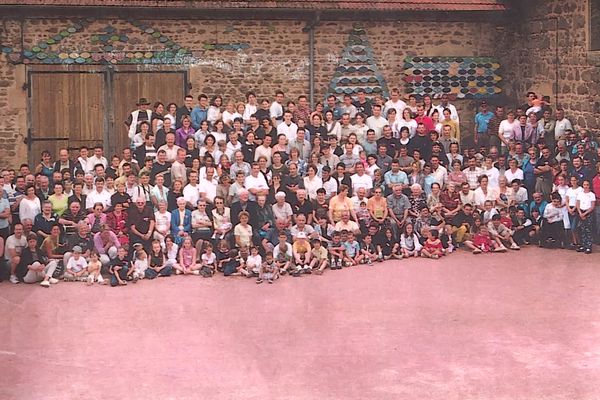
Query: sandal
column 123, row 283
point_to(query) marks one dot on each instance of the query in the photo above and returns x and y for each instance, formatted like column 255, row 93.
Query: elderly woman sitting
column 417, row 200
column 181, row 222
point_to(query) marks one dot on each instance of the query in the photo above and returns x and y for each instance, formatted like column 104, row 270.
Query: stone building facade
column 266, row 50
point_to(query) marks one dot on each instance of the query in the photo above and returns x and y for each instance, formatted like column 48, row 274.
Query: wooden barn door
column 67, row 110
column 129, row 86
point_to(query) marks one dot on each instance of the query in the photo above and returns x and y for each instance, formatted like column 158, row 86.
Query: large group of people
column 268, row 187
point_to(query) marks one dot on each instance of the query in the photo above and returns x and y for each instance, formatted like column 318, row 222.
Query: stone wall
column 534, row 62
column 232, row 57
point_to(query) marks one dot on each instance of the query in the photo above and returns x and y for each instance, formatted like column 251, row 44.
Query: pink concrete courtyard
column 521, row 325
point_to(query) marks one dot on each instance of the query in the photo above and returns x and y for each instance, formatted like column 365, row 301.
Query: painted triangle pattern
column 460, row 77
column 357, row 68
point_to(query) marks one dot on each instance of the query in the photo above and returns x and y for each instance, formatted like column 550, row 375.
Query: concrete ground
column 521, row 325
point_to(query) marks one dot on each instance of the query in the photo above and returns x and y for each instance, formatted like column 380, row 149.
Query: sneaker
column 515, row 246
column 14, row 279
column 196, row 272
column 369, row 262
column 435, row 256
column 45, row 284
column 270, row 280
column 588, row 251
column 177, row 272
column 348, row 264
column 53, row 281
column 477, row 251
column 580, row 249
column 259, row 280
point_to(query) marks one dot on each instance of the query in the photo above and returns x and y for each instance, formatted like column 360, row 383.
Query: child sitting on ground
column 268, row 269
column 187, row 259
column 209, row 260
column 283, row 254
column 140, row 265
column 301, row 252
column 253, row 262
column 368, row 252
column 119, row 268
column 389, row 248
column 433, row 245
column 157, row 262
column 482, row 242
column 76, row 268
column 94, row 269
column 409, row 242
column 352, row 248
column 319, row 257
column 337, row 251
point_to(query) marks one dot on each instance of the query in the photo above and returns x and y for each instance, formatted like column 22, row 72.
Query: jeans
column 166, row 271
column 122, row 274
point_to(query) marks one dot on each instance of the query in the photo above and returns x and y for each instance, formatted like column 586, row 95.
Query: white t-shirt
column 17, row 244
column 258, row 182
column 209, row 188
column 191, row 194
column 94, row 197
column 29, row 208
column 276, row 110
column 507, row 130
column 572, row 195
column 361, row 181
column 163, row 221
column 493, row 174
column 510, row 176
column 76, row 265
column 398, row 105
column 377, row 125
column 585, row 200
column 288, row 130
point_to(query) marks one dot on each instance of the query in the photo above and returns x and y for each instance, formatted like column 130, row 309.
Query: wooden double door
column 89, row 106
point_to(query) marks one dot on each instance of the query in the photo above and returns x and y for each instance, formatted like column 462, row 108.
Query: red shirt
column 427, row 121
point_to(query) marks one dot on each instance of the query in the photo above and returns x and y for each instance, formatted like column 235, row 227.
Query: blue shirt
column 198, row 115
column 482, row 120
column 391, row 178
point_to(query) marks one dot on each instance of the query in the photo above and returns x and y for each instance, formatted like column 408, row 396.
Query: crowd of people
column 267, row 188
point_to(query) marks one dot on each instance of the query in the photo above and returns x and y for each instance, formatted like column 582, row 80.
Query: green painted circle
column 71, row 30
column 80, row 60
column 36, row 49
column 114, row 38
column 64, row 33
column 149, row 31
column 42, row 56
column 163, row 39
column 156, row 34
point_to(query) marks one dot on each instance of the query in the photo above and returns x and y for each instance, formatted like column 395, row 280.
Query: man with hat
column 138, row 116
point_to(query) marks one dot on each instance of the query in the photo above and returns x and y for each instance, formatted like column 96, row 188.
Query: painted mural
column 111, row 45
column 460, row 77
column 357, row 68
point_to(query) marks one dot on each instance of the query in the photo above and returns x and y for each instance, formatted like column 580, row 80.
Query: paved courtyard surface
column 507, row 326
